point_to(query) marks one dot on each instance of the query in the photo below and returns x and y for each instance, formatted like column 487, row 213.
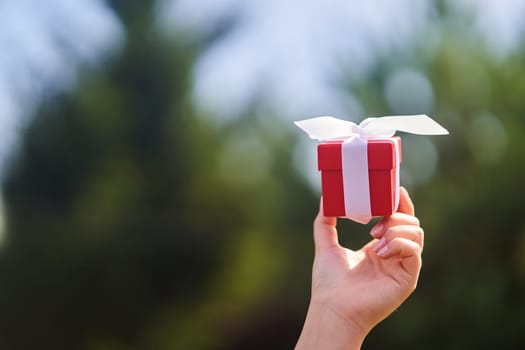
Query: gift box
column 383, row 158
column 360, row 164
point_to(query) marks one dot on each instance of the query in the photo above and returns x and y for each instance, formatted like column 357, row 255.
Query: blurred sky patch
column 290, row 53
column 42, row 46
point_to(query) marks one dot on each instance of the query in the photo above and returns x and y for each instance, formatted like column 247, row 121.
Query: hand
column 352, row 291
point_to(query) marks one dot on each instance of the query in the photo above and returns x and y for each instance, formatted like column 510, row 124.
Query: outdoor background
column 156, row 194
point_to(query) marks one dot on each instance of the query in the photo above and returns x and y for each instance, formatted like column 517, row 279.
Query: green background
column 134, row 222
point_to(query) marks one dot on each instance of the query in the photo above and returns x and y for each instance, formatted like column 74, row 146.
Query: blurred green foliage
column 134, row 223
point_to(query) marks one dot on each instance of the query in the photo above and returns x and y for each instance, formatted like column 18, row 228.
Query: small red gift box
column 360, row 171
column 384, row 158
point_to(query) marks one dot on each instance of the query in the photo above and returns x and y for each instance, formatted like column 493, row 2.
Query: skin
column 352, row 291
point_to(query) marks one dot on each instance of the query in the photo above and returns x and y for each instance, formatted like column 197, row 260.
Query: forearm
column 326, row 329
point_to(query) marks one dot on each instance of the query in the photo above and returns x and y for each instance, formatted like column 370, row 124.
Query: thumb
column 405, row 203
column 325, row 232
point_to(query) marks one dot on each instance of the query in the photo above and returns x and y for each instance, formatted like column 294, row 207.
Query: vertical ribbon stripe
column 354, row 154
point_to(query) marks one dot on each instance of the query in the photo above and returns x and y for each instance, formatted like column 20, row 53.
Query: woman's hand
column 352, row 291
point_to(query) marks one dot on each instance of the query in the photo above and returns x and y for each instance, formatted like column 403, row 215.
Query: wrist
column 326, row 328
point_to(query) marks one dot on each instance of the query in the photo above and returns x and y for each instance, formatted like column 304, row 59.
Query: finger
column 410, row 232
column 325, row 232
column 393, row 220
column 408, row 250
column 405, row 203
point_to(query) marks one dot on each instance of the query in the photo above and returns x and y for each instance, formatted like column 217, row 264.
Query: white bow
column 325, row 128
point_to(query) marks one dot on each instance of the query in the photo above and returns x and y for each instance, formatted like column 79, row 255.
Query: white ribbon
column 355, row 152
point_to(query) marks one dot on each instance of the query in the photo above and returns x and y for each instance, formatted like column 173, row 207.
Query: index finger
column 405, row 203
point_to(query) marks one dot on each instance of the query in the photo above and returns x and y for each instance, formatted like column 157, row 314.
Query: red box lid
column 381, row 154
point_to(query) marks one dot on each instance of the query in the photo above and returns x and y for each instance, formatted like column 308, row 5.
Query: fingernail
column 376, row 230
column 382, row 251
column 380, row 244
